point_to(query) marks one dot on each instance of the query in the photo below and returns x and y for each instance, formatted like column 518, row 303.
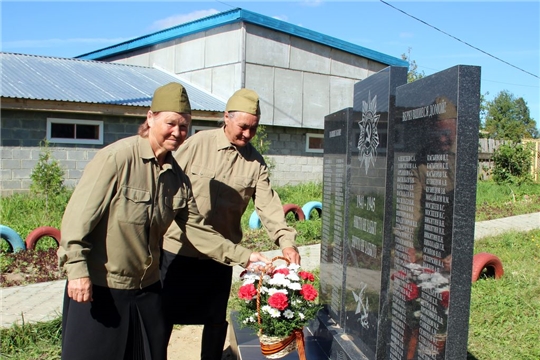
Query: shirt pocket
column 173, row 204
column 245, row 186
column 201, row 171
column 134, row 205
column 202, row 179
column 176, row 202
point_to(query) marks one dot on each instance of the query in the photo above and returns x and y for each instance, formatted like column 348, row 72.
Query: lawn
column 505, row 313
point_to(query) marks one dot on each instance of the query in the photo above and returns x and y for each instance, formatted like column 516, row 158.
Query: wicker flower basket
column 273, row 347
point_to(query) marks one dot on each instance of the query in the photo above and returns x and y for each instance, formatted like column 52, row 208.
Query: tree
column 262, row 144
column 509, row 118
column 413, row 74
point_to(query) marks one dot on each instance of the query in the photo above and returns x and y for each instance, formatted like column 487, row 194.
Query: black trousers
column 195, row 291
column 117, row 324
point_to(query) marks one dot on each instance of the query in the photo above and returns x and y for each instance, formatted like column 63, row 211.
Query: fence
column 535, row 154
column 486, row 148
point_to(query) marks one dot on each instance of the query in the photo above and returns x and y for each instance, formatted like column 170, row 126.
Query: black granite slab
column 369, row 196
column 435, row 160
column 398, row 227
column 244, row 344
column 335, row 179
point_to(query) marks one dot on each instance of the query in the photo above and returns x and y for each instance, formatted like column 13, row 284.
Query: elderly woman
column 112, row 233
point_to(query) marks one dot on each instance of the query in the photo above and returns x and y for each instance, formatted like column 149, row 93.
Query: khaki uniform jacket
column 224, row 179
column 113, row 225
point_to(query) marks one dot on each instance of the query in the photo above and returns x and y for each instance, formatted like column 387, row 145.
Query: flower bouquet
column 278, row 305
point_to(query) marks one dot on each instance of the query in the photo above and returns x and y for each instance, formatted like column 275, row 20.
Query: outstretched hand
column 259, row 263
column 291, row 254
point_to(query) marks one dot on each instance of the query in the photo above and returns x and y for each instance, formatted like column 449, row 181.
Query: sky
column 502, row 37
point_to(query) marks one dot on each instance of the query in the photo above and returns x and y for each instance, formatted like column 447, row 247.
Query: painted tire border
column 488, row 261
column 255, row 222
column 310, row 206
column 296, row 210
column 14, row 240
column 41, row 232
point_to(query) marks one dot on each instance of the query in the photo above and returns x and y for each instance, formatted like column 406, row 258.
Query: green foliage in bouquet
column 288, row 300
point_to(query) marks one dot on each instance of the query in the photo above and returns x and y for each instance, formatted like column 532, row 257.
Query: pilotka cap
column 244, row 100
column 171, row 97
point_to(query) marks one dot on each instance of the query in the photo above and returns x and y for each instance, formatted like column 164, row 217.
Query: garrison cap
column 244, row 100
column 171, row 97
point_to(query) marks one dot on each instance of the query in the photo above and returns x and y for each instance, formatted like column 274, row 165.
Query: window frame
column 98, row 123
column 313, row 135
column 195, row 128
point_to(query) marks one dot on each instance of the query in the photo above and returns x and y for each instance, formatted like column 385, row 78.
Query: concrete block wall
column 19, row 162
column 298, row 81
column 295, row 170
column 21, row 135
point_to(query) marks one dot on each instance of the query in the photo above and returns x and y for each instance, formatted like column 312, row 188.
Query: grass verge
column 505, row 313
column 39, row 341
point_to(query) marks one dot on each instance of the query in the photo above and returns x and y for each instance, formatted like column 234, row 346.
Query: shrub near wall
column 512, row 163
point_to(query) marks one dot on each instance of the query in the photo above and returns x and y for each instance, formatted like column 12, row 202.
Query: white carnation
column 272, row 291
column 294, row 286
column 288, row 314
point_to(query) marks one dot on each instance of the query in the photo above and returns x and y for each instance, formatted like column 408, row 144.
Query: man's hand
column 258, row 262
column 291, row 254
column 80, row 290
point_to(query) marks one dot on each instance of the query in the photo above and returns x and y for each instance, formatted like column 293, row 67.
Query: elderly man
column 226, row 171
column 112, row 232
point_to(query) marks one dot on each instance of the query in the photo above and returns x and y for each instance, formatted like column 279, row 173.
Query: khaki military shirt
column 113, row 225
column 224, row 178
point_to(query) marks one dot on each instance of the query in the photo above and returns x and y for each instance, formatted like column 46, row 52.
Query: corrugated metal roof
column 237, row 15
column 66, row 79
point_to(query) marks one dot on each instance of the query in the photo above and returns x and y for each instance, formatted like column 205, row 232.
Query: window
column 315, row 143
column 196, row 129
column 70, row 131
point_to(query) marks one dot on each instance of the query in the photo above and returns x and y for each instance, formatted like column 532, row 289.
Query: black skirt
column 117, row 324
column 195, row 291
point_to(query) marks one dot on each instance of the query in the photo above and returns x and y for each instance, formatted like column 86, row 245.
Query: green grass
column 39, row 341
column 497, row 201
column 505, row 313
column 26, row 212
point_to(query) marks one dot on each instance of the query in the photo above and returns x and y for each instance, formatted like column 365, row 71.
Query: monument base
column 323, row 340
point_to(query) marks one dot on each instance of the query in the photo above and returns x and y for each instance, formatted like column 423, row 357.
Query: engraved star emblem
column 368, row 140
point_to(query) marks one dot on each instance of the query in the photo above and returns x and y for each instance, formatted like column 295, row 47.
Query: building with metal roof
column 32, row 77
column 80, row 105
column 300, row 75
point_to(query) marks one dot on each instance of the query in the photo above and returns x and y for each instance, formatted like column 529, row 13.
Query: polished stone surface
column 245, row 345
column 400, row 194
column 435, row 164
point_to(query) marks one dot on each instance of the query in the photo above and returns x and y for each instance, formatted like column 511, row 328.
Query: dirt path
column 185, row 344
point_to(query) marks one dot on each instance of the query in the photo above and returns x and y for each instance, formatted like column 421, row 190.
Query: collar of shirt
column 223, row 143
column 147, row 153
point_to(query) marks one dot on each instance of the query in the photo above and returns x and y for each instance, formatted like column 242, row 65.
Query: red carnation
column 411, row 291
column 278, row 301
column 309, row 292
column 306, row 276
column 445, row 297
column 247, row 292
column 283, row 271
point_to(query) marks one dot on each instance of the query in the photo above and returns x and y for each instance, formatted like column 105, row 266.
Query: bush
column 512, row 164
column 47, row 176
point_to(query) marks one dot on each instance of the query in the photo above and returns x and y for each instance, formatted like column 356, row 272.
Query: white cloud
column 281, row 17
column 181, row 19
